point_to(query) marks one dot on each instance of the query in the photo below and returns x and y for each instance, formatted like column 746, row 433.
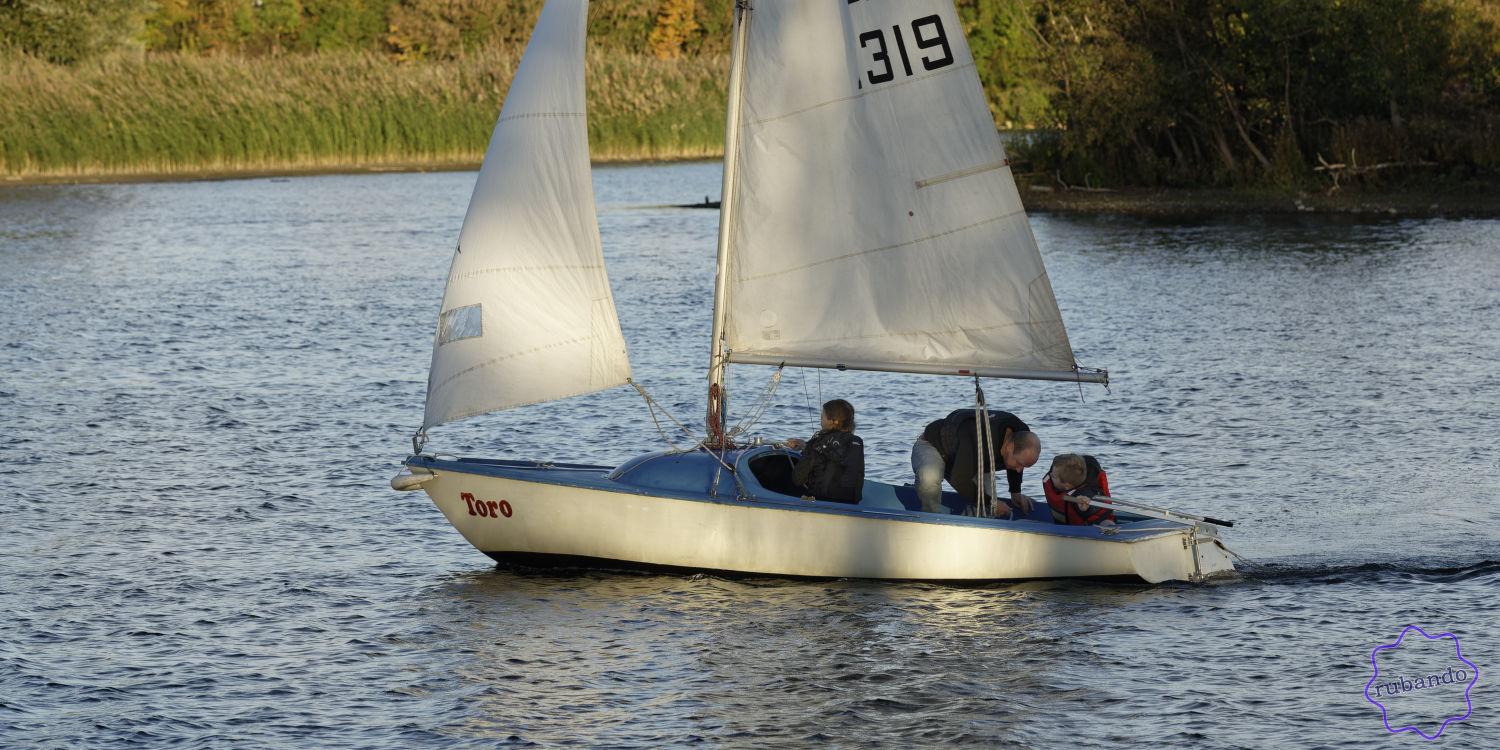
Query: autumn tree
column 675, row 25
column 446, row 29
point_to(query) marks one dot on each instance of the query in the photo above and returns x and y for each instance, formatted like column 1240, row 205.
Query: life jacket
column 832, row 466
column 1067, row 512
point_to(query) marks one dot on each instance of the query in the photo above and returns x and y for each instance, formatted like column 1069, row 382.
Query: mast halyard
column 716, row 365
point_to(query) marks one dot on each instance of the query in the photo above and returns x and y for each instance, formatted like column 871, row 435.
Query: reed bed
column 179, row 114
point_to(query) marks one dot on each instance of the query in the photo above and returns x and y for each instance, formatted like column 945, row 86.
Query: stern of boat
column 1194, row 554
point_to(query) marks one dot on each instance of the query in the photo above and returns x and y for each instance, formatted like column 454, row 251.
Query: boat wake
column 1416, row 571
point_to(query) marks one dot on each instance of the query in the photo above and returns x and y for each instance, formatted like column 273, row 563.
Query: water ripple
column 206, row 386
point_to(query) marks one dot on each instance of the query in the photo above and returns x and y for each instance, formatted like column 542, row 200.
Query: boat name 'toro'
column 486, row 508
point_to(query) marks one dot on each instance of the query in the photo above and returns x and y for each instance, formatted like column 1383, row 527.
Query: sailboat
column 860, row 155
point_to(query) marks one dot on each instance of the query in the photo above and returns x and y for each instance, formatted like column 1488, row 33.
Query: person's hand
column 1082, row 501
column 1020, row 502
column 796, row 444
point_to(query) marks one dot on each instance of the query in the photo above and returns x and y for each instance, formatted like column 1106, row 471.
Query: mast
column 716, row 363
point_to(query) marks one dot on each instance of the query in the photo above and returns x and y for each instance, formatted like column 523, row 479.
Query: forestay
column 528, row 315
column 875, row 221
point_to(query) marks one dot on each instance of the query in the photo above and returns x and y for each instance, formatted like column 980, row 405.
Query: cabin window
column 460, row 323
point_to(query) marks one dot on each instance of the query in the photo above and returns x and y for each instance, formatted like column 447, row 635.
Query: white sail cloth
column 875, row 220
column 528, row 315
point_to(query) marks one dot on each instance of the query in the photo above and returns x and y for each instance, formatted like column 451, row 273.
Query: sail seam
column 863, row 94
column 513, row 355
column 487, row 410
column 539, row 114
column 529, row 269
column 908, row 243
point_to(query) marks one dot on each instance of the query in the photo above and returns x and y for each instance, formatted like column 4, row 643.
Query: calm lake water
column 205, row 388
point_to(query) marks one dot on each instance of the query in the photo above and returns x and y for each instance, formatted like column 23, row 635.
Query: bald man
column 947, row 450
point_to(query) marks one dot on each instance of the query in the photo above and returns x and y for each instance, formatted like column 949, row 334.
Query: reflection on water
column 205, row 388
column 641, row 657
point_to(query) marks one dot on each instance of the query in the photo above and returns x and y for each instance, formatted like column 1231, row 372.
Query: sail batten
column 963, row 173
column 527, row 314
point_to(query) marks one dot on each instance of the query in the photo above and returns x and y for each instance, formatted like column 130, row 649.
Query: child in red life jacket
column 1074, row 476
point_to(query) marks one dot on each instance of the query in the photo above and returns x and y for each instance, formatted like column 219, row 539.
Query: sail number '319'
column 486, row 508
column 926, row 33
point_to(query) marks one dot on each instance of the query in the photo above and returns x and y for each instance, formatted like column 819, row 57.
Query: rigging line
column 1242, row 558
column 807, row 398
column 740, row 493
column 984, row 438
column 652, row 405
column 758, row 408
column 762, row 401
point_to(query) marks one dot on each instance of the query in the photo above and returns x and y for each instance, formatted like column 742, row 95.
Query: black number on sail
column 880, row 56
column 929, row 36
column 939, row 39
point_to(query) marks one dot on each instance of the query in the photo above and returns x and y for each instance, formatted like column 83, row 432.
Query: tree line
column 1269, row 92
column 1121, row 92
column 70, row 31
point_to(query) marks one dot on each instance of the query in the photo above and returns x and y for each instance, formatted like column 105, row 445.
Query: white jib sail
column 528, row 315
column 876, row 223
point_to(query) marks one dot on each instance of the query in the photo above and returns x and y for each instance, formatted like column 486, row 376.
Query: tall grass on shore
column 179, row 114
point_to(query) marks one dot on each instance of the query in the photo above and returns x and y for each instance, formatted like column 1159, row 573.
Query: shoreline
column 1483, row 202
column 1206, row 202
column 214, row 174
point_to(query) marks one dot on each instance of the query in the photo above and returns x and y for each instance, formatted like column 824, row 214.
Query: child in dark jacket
column 833, row 461
column 1071, row 483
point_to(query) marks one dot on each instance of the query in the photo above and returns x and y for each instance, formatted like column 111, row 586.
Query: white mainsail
column 528, row 315
column 875, row 222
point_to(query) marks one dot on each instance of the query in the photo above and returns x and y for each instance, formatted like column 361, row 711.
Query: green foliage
column 1005, row 52
column 714, row 20
column 66, row 31
column 1262, row 92
column 268, row 25
column 333, row 25
column 191, row 26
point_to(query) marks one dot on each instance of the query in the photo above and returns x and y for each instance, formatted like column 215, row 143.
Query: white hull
column 574, row 515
